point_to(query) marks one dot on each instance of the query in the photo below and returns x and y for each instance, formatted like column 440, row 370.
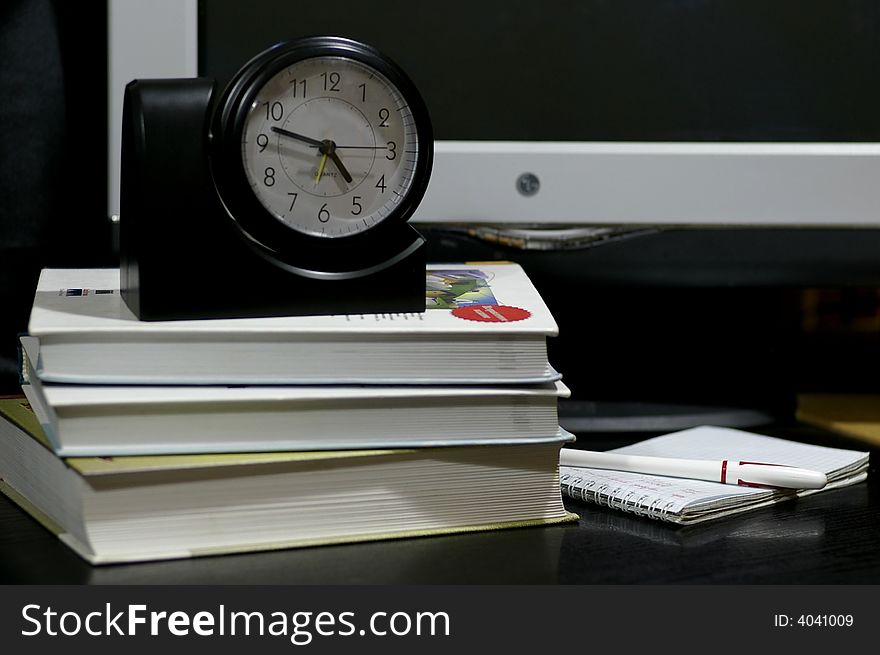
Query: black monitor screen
column 600, row 70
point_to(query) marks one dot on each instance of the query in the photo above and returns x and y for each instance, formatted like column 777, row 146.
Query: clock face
column 329, row 146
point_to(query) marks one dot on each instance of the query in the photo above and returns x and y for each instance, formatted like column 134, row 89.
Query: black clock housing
column 196, row 243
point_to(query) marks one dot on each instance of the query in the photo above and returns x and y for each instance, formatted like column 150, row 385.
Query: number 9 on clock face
column 329, row 146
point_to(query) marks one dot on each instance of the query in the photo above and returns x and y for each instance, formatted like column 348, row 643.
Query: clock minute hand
column 298, row 137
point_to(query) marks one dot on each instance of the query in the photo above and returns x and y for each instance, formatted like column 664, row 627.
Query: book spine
column 620, row 497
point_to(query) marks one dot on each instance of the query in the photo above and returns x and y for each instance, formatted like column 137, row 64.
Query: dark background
column 53, row 152
column 600, row 70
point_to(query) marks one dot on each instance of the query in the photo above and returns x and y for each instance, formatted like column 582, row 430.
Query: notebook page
column 653, row 494
column 709, row 442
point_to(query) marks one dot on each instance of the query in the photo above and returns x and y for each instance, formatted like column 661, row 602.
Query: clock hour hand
column 336, row 160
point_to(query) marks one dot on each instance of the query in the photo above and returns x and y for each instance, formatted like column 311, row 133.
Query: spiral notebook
column 684, row 501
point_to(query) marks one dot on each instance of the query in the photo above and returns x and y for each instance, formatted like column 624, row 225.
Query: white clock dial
column 329, row 146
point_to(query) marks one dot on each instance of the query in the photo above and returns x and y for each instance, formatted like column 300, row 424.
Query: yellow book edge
column 852, row 415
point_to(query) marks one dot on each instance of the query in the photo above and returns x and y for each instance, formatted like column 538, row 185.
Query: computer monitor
column 668, row 171
column 724, row 113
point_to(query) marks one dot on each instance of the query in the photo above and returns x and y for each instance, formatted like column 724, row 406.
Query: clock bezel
column 293, row 249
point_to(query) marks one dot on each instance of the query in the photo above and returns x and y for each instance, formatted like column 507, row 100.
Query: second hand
column 358, row 147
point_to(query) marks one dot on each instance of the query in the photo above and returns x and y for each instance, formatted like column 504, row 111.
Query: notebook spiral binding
column 619, row 497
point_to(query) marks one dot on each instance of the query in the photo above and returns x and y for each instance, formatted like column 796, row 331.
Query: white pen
column 745, row 474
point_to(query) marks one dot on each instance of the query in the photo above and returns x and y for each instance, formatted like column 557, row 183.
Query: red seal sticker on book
column 491, row 313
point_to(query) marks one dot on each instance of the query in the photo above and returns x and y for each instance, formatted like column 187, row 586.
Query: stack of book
column 182, row 438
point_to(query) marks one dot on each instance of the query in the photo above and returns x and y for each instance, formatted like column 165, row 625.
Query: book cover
column 483, row 323
column 82, row 420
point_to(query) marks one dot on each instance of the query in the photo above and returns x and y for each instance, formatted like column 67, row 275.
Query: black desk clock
column 287, row 194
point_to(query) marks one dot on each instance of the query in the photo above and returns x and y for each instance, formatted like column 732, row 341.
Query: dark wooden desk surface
column 830, row 538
